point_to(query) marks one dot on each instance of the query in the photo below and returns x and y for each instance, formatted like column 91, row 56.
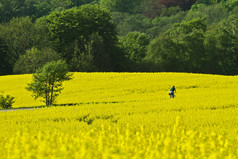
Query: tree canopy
column 47, row 81
column 5, row 58
column 120, row 35
column 34, row 59
column 180, row 48
column 81, row 32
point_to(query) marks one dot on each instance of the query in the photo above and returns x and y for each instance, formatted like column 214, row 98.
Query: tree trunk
column 51, row 93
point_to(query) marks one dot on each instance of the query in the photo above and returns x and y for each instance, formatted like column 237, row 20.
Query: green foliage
column 131, row 22
column 210, row 13
column 151, row 8
column 77, row 30
column 34, row 59
column 34, row 8
column 183, row 4
column 91, row 59
column 232, row 4
column 19, row 35
column 12, row 8
column 135, row 44
column 66, row 25
column 170, row 11
column 85, row 34
column 207, row 2
column 162, row 53
column 223, row 39
column 162, row 23
column 42, row 8
column 181, row 48
column 6, row 102
column 47, row 81
column 41, row 37
column 120, row 5
column 6, row 59
column 82, row 2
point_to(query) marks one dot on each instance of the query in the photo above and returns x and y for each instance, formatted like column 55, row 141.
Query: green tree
column 42, row 8
column 6, row 102
column 212, row 53
column 189, row 38
column 19, row 35
column 47, row 81
column 16, row 8
column 6, row 60
column 207, row 2
column 58, row 5
column 151, row 8
column 135, row 45
column 162, row 23
column 162, row 55
column 131, row 22
column 231, row 5
column 41, row 37
column 73, row 32
column 181, row 48
column 34, row 8
column 184, row 4
column 171, row 11
column 210, row 13
column 82, row 2
column 120, row 5
column 34, row 59
column 222, row 46
column 10, row 9
column 93, row 58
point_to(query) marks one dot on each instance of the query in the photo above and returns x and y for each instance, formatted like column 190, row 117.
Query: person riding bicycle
column 171, row 92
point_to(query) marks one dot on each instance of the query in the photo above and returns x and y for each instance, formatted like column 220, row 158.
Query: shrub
column 6, row 102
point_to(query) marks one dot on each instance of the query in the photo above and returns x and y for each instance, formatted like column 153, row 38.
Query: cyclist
column 171, row 92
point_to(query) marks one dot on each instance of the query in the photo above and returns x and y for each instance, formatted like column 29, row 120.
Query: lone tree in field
column 47, row 81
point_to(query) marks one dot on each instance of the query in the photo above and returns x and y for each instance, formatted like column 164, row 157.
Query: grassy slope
column 209, row 99
column 128, row 101
column 128, row 87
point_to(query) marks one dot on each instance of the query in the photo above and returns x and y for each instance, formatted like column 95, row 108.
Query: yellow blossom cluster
column 124, row 115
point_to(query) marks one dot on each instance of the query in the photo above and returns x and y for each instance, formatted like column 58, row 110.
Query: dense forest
column 199, row 36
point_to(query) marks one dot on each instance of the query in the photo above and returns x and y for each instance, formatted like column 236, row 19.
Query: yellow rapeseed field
column 124, row 115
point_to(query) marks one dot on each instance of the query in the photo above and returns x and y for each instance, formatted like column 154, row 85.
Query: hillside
column 125, row 115
column 132, row 87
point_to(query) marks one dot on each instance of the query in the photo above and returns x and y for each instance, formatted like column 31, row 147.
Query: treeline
column 120, row 35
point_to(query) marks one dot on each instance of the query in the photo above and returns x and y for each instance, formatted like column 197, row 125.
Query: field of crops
column 124, row 115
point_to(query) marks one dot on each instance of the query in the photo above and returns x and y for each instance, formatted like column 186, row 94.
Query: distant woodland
column 199, row 36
